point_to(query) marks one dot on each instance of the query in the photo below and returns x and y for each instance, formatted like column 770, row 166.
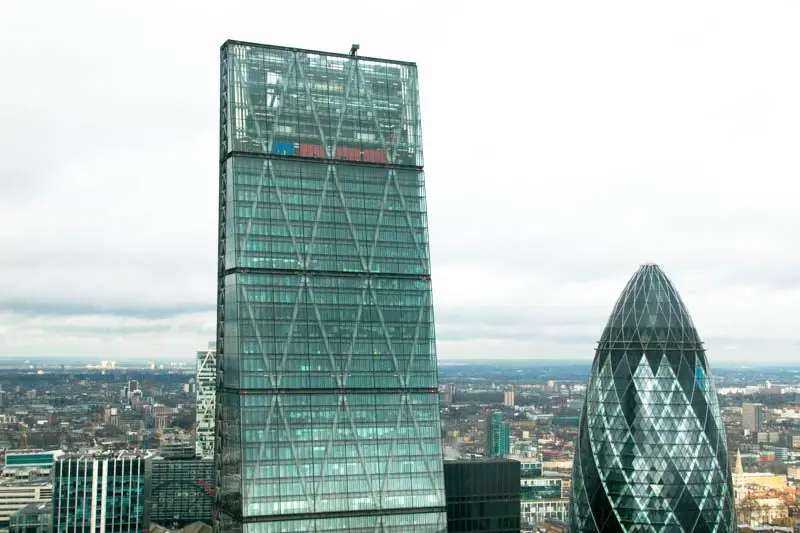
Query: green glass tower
column 103, row 493
column 327, row 405
column 498, row 435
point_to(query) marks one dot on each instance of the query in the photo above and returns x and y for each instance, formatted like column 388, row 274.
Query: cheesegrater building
column 327, row 404
column 651, row 453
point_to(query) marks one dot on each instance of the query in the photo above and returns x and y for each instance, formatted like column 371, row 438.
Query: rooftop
column 482, row 460
column 105, row 454
column 5, row 483
column 196, row 527
column 317, row 52
column 36, row 508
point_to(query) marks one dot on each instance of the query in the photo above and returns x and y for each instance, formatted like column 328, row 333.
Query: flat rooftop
column 317, row 52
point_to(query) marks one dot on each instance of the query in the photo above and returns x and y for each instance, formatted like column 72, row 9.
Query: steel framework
column 327, row 410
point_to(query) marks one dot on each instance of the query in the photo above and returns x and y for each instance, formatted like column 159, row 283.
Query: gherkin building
column 651, row 453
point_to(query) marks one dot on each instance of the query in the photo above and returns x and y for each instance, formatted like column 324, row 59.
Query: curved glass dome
column 651, row 452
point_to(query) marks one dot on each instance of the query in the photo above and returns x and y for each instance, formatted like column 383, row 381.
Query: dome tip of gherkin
column 650, row 270
column 649, row 301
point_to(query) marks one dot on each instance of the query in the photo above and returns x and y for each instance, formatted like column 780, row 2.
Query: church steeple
column 738, row 468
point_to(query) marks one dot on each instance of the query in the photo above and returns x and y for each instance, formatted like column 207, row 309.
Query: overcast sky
column 565, row 144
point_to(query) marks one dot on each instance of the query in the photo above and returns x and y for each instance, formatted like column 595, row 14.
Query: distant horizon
column 521, row 361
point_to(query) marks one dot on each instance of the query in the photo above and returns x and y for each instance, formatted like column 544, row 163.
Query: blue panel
column 283, row 148
column 700, row 378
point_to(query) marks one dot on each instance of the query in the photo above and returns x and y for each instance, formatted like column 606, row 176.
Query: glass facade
column 31, row 459
column 108, row 495
column 498, row 435
column 541, row 489
column 651, row 453
column 327, row 405
column 182, row 492
column 530, row 469
column 33, row 518
column 535, row 512
column 483, row 496
column 17, row 494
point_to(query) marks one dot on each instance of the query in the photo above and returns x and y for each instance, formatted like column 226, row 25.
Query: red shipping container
column 350, row 154
column 375, row 156
column 311, row 150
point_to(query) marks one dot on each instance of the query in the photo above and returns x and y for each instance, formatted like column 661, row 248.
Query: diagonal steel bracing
column 267, row 166
column 366, row 247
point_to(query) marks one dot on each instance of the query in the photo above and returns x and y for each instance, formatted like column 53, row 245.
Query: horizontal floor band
column 318, row 160
column 340, row 390
column 329, row 273
column 343, row 514
column 697, row 345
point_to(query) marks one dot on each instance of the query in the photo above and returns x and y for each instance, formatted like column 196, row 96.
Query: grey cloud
column 138, row 329
column 736, row 249
column 28, row 308
column 141, row 330
column 510, row 333
column 752, row 344
column 556, row 178
column 497, row 323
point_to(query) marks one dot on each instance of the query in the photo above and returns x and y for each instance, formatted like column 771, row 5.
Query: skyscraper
column 448, row 393
column 498, row 435
column 751, row 416
column 327, row 405
column 509, row 397
column 651, row 452
column 206, row 381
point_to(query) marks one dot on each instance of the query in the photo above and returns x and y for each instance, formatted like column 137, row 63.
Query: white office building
column 206, row 382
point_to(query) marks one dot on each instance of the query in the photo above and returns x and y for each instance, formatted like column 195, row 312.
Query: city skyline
column 688, row 134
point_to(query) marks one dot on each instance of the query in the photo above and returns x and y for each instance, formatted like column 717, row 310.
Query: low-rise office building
column 101, row 493
column 182, row 492
column 14, row 495
column 482, row 495
column 33, row 518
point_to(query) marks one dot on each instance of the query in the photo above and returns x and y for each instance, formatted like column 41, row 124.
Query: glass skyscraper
column 651, row 453
column 498, row 435
column 327, row 405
